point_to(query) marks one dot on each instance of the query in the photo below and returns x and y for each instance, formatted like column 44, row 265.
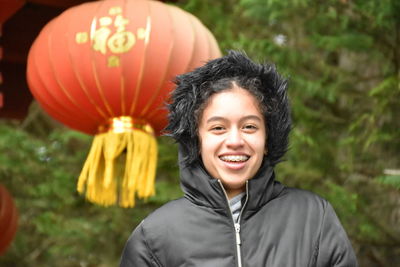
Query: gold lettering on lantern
column 121, row 42
column 115, row 10
column 101, row 35
column 120, row 23
column 113, row 61
column 142, row 33
column 81, row 37
column 105, row 21
column 110, row 34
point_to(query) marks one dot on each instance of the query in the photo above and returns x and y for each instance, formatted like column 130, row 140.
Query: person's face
column 232, row 138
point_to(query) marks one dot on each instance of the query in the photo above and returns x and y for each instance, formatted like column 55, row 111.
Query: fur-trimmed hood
column 193, row 89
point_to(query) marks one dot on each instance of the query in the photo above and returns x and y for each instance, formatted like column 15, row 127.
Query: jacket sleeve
column 334, row 246
column 137, row 252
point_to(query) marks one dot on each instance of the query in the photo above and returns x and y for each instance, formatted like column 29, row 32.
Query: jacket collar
column 200, row 188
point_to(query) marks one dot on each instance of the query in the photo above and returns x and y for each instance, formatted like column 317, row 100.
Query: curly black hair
column 194, row 88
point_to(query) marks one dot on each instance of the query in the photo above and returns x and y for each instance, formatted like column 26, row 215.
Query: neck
column 234, row 192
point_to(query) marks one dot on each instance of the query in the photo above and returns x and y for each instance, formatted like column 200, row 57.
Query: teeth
column 235, row 158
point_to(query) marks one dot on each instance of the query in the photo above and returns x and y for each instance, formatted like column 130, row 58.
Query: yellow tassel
column 102, row 180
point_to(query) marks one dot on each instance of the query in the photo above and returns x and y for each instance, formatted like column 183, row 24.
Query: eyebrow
column 249, row 117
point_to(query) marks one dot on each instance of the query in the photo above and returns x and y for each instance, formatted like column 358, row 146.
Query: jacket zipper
column 236, row 225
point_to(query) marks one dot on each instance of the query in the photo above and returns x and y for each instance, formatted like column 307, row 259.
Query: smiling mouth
column 234, row 158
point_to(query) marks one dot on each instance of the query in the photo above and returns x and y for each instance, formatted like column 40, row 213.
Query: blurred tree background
column 342, row 58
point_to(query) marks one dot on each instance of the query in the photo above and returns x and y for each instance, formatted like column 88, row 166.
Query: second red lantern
column 8, row 219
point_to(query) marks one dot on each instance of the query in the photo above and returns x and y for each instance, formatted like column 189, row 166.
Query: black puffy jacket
column 279, row 227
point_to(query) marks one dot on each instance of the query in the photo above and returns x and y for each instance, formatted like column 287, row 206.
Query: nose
column 234, row 139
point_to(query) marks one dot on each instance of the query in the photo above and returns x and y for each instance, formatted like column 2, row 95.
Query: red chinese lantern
column 105, row 68
column 8, row 219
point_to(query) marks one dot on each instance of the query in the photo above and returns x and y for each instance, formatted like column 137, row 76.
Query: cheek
column 259, row 145
column 208, row 143
column 203, row 144
column 207, row 154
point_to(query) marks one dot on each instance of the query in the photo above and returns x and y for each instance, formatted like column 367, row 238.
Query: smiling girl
column 231, row 120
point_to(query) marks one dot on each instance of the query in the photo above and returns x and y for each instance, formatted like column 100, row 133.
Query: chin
column 233, row 185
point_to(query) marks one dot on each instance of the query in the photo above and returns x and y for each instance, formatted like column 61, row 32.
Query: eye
column 250, row 128
column 217, row 128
